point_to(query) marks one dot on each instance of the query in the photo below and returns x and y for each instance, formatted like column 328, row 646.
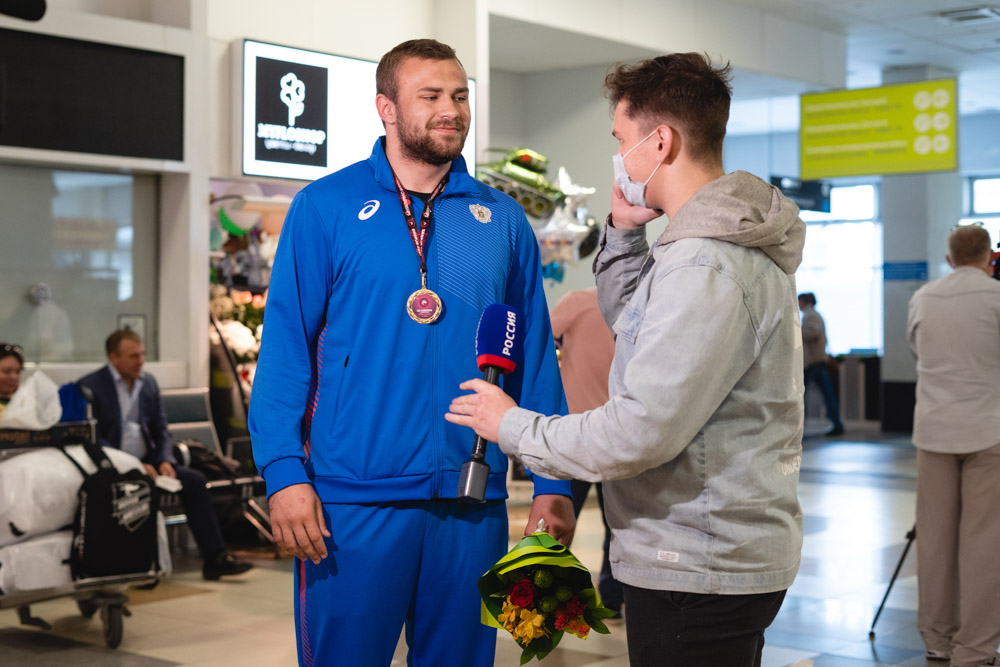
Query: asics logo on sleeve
column 369, row 209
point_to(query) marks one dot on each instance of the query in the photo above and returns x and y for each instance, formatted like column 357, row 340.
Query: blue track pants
column 390, row 564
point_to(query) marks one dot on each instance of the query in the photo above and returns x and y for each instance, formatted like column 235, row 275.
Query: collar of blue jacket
column 460, row 181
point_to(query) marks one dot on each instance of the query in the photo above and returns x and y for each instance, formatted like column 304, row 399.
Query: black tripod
column 910, row 536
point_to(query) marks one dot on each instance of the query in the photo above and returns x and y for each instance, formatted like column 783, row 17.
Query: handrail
column 232, row 361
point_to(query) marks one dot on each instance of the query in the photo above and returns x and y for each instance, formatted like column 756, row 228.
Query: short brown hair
column 115, row 339
column 969, row 244
column 681, row 89
column 386, row 82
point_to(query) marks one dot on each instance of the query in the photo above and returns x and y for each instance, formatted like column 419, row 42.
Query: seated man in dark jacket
column 130, row 417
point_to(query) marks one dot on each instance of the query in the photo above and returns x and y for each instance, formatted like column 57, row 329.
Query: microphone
column 499, row 348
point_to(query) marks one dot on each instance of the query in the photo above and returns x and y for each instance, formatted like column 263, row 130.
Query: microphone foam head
column 500, row 338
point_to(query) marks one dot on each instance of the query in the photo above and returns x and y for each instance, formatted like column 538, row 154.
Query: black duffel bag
column 114, row 531
column 193, row 454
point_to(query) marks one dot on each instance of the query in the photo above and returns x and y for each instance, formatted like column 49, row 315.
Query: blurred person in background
column 587, row 348
column 954, row 331
column 11, row 365
column 814, row 359
column 130, row 417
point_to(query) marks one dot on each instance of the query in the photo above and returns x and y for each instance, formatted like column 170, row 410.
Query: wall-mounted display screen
column 87, row 97
column 896, row 129
column 306, row 114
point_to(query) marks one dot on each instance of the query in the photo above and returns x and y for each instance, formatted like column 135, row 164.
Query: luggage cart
column 99, row 594
column 104, row 595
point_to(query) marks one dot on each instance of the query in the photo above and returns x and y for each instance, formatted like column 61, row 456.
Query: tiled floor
column 857, row 494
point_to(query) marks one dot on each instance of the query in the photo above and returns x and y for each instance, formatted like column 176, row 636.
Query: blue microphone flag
column 500, row 338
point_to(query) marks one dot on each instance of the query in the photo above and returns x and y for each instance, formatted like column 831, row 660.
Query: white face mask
column 635, row 193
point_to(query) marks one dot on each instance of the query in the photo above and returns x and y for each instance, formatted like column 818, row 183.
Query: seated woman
column 11, row 363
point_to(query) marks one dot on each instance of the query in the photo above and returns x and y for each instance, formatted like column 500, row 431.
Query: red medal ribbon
column 418, row 233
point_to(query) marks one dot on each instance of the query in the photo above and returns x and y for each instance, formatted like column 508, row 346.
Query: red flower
column 579, row 628
column 575, row 607
column 561, row 619
column 522, row 593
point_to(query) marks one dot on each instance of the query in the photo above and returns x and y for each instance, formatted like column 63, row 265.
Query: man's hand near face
column 627, row 216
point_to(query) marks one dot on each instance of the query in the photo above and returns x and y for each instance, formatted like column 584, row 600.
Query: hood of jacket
column 742, row 209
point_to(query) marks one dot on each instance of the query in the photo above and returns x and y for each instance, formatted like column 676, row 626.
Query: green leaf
column 541, row 645
column 526, row 655
column 597, row 625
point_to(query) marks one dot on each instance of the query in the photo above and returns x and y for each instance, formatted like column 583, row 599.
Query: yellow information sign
column 895, row 129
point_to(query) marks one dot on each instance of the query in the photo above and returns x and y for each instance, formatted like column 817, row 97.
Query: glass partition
column 78, row 259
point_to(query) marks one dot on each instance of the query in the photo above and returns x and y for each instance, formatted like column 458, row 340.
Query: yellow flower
column 508, row 616
column 531, row 627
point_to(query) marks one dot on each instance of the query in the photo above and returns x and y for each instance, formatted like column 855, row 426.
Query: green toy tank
column 521, row 174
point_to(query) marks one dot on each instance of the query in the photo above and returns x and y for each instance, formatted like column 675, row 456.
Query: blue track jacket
column 350, row 393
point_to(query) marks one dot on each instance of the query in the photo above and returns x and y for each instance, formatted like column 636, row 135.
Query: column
column 918, row 211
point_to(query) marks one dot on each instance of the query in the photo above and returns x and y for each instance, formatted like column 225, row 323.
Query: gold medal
column 424, row 306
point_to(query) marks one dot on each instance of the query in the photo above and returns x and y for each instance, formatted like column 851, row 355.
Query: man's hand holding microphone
column 498, row 350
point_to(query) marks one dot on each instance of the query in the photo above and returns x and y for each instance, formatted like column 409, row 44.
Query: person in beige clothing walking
column 814, row 359
column 954, row 330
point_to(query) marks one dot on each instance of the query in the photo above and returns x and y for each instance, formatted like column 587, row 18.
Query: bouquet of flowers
column 538, row 592
column 240, row 317
column 242, row 306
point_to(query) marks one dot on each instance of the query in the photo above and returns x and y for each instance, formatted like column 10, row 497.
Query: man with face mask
column 700, row 443
column 382, row 273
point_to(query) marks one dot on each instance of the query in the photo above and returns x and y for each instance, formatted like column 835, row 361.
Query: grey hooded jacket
column 700, row 444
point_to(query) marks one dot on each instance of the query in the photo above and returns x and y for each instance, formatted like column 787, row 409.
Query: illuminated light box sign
column 896, row 129
column 306, row 114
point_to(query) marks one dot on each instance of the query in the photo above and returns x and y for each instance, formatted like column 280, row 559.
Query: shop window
column 842, row 266
column 91, row 239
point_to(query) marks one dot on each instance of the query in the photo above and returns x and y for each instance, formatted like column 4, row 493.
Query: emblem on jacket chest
column 480, row 213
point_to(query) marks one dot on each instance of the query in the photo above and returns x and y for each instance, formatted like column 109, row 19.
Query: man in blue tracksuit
column 371, row 320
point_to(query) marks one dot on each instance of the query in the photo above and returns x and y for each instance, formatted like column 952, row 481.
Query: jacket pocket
column 628, row 323
column 330, row 395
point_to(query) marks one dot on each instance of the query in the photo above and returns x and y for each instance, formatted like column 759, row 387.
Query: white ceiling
column 517, row 46
column 880, row 34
